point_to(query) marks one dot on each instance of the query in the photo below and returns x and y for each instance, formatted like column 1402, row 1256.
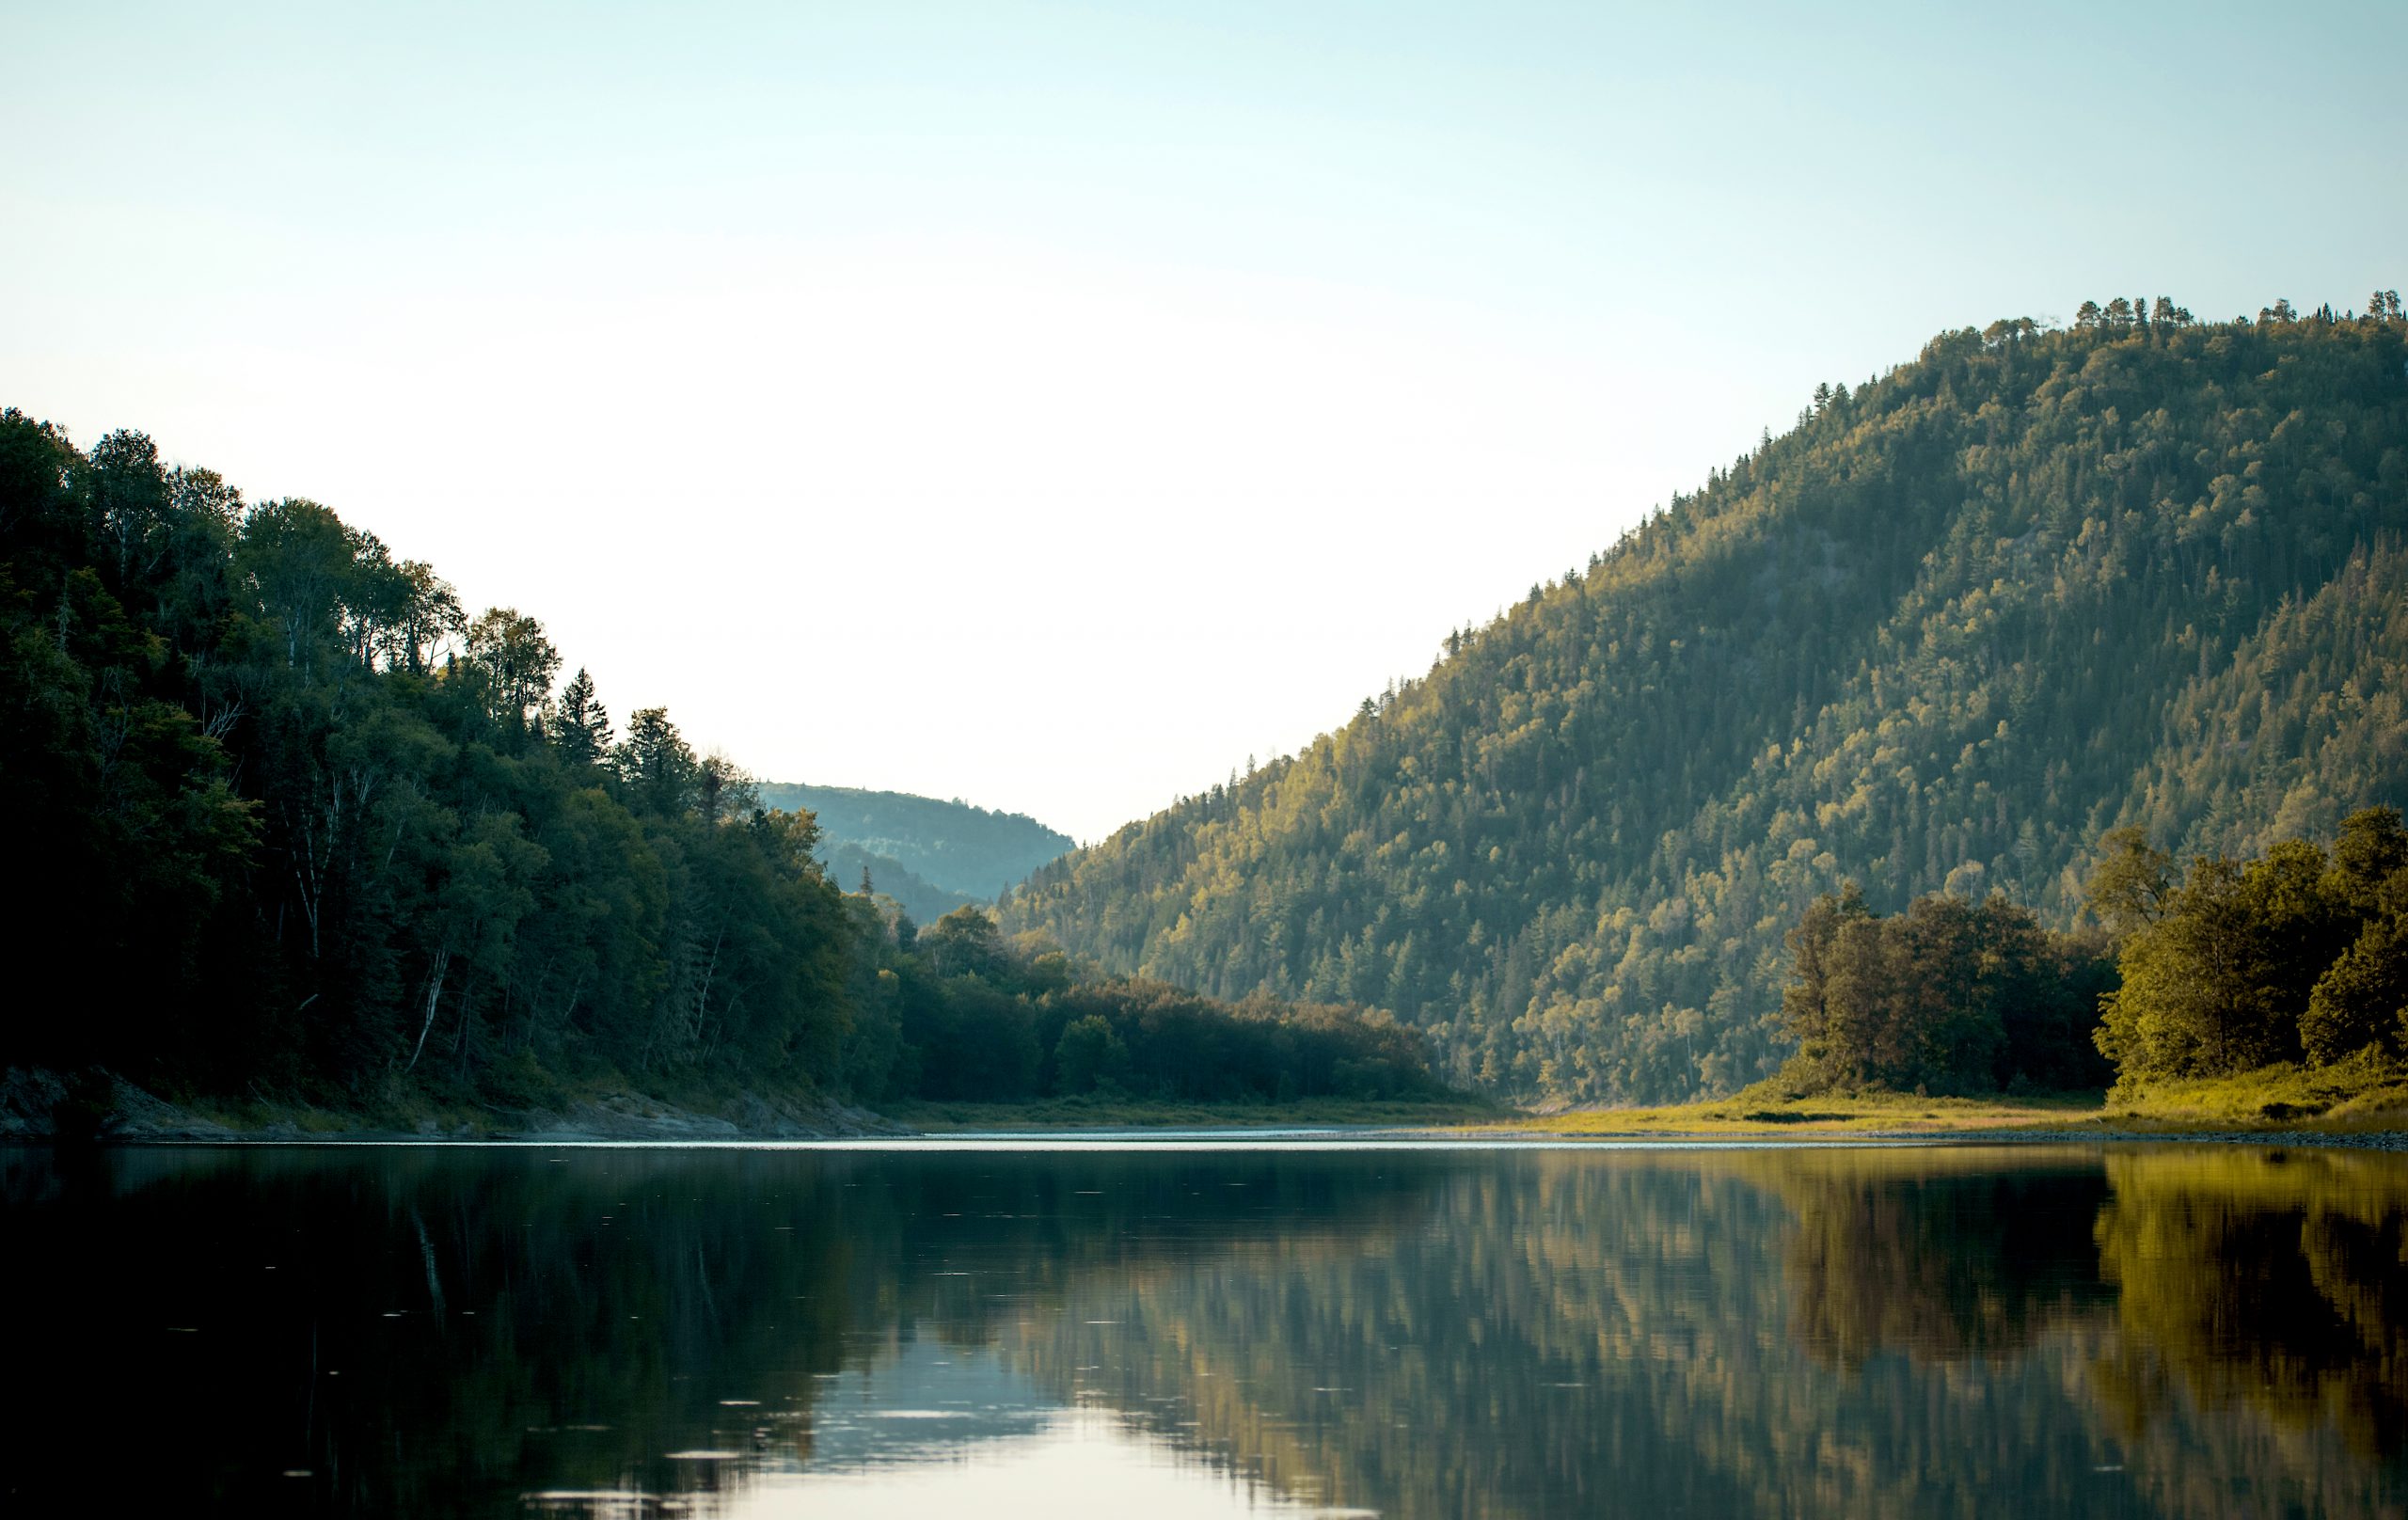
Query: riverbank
column 98, row 1105
column 1456, row 1111
column 2279, row 1106
column 2351, row 1103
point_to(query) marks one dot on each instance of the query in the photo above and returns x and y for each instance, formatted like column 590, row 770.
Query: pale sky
column 1052, row 404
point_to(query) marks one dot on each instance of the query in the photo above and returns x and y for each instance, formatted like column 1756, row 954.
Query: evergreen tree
column 580, row 725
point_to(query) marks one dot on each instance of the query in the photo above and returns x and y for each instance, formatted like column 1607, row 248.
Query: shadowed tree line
column 954, row 1012
column 290, row 822
column 1948, row 996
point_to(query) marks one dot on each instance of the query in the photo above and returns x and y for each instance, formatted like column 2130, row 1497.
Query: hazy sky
column 1049, row 405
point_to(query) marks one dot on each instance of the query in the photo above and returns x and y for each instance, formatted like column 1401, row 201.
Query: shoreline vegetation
column 2285, row 1100
column 2364, row 1103
column 96, row 1106
column 2238, row 1000
column 2267, row 991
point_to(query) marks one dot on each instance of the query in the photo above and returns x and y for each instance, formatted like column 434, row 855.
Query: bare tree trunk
column 310, row 855
column 568, row 1010
column 699, row 1018
column 434, row 990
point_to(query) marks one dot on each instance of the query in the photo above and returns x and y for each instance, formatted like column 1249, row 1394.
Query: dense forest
column 952, row 1011
column 290, row 823
column 1943, row 635
column 2299, row 957
column 1948, row 996
column 955, row 846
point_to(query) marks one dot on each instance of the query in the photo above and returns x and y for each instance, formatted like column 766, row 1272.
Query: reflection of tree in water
column 521, row 1320
column 421, row 1331
column 2276, row 1281
column 1568, row 1334
column 1652, row 1335
column 1523, row 1348
column 1874, row 1332
column 2232, row 1317
column 2236, row 1316
column 1943, row 1256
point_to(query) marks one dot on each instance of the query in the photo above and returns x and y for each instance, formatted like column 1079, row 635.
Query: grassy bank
column 2353, row 1099
column 2359, row 1094
column 2350, row 1097
column 1755, row 1114
column 1096, row 1113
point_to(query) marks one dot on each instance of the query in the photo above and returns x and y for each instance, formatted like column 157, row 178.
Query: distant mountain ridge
column 1941, row 635
column 926, row 845
column 849, row 864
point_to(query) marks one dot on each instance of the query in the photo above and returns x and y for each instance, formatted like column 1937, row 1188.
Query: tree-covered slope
column 1943, row 634
column 953, row 847
column 287, row 823
column 847, row 864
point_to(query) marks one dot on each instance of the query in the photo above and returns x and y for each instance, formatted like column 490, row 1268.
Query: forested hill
column 289, row 826
column 1943, row 634
column 953, row 846
column 923, row 900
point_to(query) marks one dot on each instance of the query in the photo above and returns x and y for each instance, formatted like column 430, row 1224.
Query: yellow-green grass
column 1754, row 1114
column 2358, row 1095
column 2355, row 1097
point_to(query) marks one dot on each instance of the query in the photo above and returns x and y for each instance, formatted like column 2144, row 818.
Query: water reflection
column 2275, row 1281
column 2179, row 1331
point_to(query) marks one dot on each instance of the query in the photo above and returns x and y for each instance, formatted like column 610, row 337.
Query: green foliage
column 961, row 1016
column 1089, row 1056
column 2129, row 887
column 2362, row 1000
column 289, row 821
column 309, row 825
column 2299, row 954
column 1961, row 621
column 1949, row 996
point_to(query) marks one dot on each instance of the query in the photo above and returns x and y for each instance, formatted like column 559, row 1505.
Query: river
column 1208, row 1328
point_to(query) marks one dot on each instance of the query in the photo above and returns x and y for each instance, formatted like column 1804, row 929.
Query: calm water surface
column 1246, row 1330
